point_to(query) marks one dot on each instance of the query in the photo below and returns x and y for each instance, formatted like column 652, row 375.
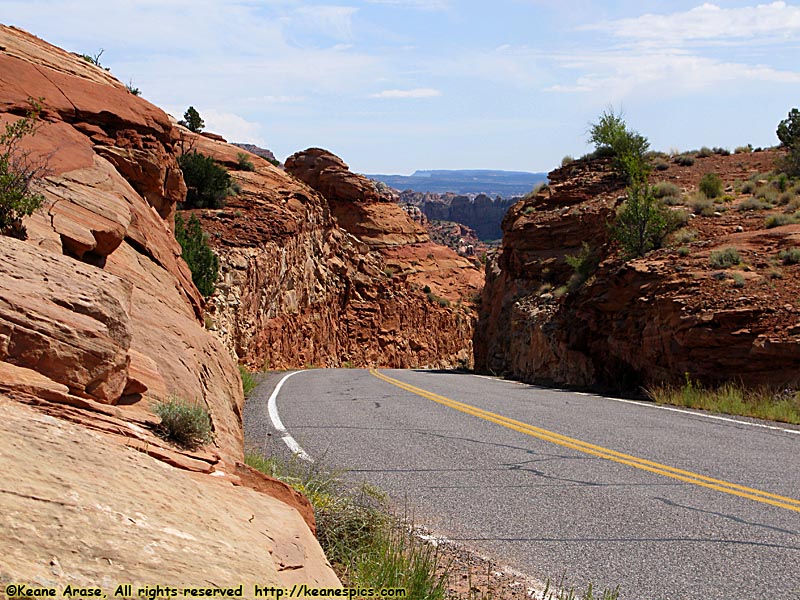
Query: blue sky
column 397, row 85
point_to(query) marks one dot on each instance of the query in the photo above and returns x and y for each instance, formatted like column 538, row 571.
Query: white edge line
column 272, row 409
column 669, row 408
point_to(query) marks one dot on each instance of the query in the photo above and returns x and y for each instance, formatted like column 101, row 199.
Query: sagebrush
column 186, row 423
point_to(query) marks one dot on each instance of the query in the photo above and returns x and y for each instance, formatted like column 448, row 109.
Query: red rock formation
column 643, row 321
column 298, row 290
column 99, row 319
column 358, row 205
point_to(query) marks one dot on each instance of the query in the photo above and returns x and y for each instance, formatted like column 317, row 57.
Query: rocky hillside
column 679, row 310
column 99, row 321
column 320, row 268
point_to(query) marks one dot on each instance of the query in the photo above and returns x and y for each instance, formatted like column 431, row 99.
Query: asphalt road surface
column 667, row 504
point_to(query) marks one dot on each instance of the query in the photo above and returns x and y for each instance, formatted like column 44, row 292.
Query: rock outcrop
column 358, row 205
column 300, row 287
column 649, row 320
column 100, row 320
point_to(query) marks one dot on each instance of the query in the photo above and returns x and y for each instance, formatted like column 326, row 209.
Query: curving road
column 668, row 504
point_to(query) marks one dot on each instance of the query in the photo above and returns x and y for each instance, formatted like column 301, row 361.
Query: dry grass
column 733, row 399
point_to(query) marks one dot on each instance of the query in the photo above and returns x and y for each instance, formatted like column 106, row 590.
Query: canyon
column 319, row 267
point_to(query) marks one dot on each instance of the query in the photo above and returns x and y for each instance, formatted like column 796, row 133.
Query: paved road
column 667, row 504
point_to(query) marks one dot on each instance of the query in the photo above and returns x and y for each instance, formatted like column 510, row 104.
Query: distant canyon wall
column 482, row 214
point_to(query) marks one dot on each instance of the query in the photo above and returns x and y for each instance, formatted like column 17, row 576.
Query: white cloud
column 333, row 21
column 415, row 4
column 665, row 73
column 768, row 22
column 415, row 93
column 229, row 125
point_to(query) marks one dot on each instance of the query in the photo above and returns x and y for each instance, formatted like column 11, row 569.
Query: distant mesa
column 481, row 181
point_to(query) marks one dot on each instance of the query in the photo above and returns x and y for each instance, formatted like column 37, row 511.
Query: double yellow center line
column 599, row 451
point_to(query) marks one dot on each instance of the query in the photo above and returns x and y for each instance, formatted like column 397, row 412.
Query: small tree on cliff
column 611, row 137
column 202, row 261
column 207, row 183
column 789, row 135
column 18, row 175
column 192, row 121
column 643, row 221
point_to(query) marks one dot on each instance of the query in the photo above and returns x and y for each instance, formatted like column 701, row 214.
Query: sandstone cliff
column 650, row 320
column 99, row 319
column 331, row 276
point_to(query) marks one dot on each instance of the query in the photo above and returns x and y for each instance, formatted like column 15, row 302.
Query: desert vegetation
column 186, row 423
column 731, row 398
column 192, row 120
column 202, row 261
column 19, row 174
column 208, row 184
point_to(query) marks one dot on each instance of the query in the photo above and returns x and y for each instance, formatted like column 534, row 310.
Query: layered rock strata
column 636, row 323
column 312, row 281
column 99, row 321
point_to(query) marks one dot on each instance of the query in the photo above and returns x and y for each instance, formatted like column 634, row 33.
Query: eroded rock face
column 136, row 520
column 65, row 320
column 645, row 321
column 99, row 320
column 298, row 290
column 358, row 205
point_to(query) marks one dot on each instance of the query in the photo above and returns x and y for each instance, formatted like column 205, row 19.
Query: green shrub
column 721, row 151
column 245, row 164
column 202, row 261
column 132, row 89
column 701, row 205
column 684, row 160
column 584, row 263
column 207, row 183
column 642, row 222
column 187, row 424
column 662, row 189
column 684, row 236
column 782, row 219
column 727, row 257
column 611, row 136
column 751, row 204
column 789, row 134
column 661, row 165
column 704, row 152
column 249, row 382
column 711, row 185
column 192, row 121
column 790, row 256
column 743, row 149
column 567, row 160
column 748, row 187
column 18, row 175
column 768, row 193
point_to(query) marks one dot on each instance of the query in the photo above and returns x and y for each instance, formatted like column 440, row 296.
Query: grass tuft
column 366, row 545
column 249, row 382
column 732, row 399
column 727, row 257
column 185, row 423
